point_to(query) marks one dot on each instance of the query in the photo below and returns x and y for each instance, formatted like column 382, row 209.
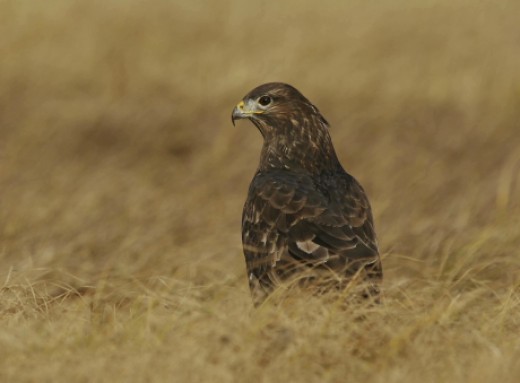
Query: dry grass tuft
column 122, row 183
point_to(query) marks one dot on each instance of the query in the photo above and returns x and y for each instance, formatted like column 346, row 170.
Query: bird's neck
column 297, row 148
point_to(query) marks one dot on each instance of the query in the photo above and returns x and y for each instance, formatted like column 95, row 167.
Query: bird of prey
column 305, row 217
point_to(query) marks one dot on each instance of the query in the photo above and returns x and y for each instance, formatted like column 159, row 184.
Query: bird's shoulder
column 279, row 197
column 331, row 199
column 282, row 188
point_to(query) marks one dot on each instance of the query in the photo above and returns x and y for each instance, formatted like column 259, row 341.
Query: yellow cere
column 241, row 106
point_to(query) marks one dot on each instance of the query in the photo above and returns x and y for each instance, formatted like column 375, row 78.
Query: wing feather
column 287, row 218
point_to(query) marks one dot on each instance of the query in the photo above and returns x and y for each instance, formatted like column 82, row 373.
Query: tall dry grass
column 122, row 183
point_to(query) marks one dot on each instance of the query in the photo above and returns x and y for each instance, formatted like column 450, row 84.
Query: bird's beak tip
column 234, row 115
column 237, row 112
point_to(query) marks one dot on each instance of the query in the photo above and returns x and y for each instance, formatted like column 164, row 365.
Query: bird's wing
column 343, row 235
column 289, row 214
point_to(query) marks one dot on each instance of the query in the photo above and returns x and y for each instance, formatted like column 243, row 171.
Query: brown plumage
column 304, row 217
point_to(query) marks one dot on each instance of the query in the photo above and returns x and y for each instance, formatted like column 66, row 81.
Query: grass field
column 122, row 182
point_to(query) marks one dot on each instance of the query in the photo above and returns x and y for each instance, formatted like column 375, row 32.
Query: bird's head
column 274, row 106
column 295, row 133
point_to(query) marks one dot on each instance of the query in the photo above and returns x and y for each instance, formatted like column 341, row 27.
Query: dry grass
column 122, row 183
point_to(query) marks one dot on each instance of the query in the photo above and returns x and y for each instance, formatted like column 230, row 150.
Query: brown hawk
column 305, row 217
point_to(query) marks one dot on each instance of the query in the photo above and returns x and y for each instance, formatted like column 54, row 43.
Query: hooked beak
column 243, row 110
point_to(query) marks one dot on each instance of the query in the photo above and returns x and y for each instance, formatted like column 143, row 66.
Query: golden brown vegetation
column 122, row 183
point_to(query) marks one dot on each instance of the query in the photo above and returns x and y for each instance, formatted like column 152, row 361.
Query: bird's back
column 305, row 227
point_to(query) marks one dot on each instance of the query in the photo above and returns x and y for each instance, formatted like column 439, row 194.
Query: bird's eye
column 264, row 100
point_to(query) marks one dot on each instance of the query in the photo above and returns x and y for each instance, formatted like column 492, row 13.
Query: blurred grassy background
column 122, row 181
